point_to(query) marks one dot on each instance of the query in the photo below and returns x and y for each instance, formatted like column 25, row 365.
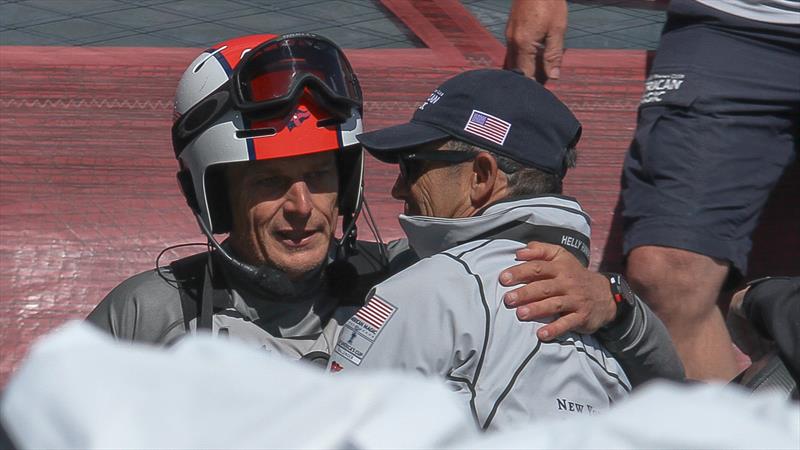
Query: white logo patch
column 433, row 98
column 657, row 85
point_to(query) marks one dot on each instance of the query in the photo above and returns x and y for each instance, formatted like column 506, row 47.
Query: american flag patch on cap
column 488, row 127
column 376, row 312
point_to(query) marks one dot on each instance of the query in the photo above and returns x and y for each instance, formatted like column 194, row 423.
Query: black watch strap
column 623, row 296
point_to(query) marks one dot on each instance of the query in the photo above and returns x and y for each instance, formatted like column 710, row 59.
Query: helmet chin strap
column 340, row 273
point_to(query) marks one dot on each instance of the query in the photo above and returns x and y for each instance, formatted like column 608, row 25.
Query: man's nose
column 298, row 199
column 400, row 188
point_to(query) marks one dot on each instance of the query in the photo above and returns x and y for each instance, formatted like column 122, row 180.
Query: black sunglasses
column 411, row 164
column 412, row 167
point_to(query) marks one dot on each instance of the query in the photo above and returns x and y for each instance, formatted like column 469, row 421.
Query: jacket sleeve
column 143, row 308
column 643, row 347
column 407, row 323
column 772, row 306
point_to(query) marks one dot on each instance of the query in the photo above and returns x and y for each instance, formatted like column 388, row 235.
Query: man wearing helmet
column 265, row 135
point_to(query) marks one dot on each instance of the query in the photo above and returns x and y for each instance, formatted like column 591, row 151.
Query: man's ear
column 485, row 180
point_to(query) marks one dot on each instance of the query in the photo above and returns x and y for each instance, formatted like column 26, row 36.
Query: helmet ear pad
column 349, row 166
column 187, row 187
column 219, row 205
column 217, row 200
column 216, row 196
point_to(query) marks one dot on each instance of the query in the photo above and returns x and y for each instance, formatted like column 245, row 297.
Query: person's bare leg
column 682, row 288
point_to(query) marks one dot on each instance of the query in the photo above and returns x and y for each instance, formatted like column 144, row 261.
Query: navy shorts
column 717, row 126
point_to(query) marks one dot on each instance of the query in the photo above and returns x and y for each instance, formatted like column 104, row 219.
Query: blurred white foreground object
column 80, row 389
column 668, row 415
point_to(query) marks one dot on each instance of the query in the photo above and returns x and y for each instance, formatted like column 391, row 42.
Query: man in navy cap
column 481, row 168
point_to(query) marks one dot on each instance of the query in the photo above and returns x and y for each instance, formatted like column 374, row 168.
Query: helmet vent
column 256, row 132
column 329, row 122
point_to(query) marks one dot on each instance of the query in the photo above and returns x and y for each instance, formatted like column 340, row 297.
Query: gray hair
column 523, row 180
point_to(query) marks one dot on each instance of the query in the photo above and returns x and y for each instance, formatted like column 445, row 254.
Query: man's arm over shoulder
column 642, row 345
column 557, row 284
column 144, row 308
column 416, row 320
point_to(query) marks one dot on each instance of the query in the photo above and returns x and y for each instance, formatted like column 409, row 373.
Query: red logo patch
column 336, row 367
column 298, row 117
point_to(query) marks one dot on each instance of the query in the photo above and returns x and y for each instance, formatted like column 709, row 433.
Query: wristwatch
column 623, row 297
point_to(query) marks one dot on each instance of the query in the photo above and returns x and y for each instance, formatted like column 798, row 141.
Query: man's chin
column 297, row 273
column 297, row 264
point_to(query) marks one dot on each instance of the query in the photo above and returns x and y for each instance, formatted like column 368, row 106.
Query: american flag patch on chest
column 376, row 312
column 487, row 126
column 360, row 332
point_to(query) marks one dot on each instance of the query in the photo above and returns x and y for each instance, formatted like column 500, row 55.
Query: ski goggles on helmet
column 269, row 80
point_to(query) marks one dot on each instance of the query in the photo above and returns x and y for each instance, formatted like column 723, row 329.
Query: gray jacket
column 161, row 306
column 445, row 316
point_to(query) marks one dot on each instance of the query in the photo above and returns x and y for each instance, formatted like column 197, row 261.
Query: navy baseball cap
column 498, row 110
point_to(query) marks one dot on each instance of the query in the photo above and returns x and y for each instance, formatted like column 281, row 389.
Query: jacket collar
column 552, row 219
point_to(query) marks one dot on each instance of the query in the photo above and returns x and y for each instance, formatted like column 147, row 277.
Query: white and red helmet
column 263, row 97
